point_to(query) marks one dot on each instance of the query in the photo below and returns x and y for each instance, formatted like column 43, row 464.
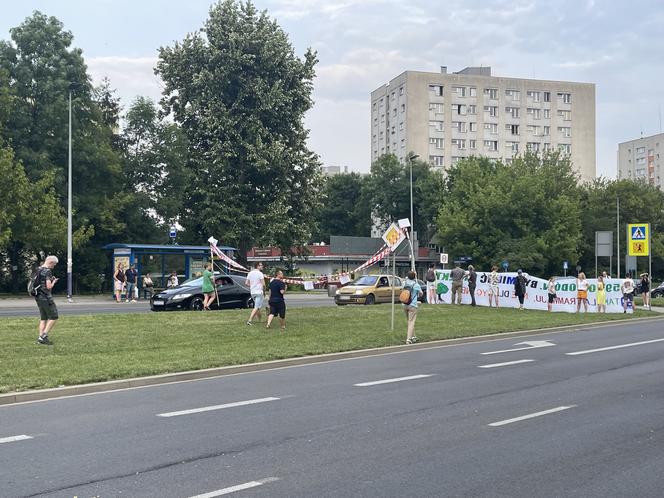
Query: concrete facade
column 640, row 159
column 445, row 117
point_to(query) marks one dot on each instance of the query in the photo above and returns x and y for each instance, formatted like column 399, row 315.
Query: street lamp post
column 411, row 158
column 69, row 235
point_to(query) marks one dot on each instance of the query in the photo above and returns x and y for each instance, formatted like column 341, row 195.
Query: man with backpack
column 410, row 304
column 430, row 277
column 40, row 285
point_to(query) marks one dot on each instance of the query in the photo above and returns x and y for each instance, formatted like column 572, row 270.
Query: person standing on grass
column 494, row 278
column 551, row 291
column 277, row 302
column 256, row 282
column 430, row 277
column 208, row 287
column 472, row 283
column 645, row 290
column 119, row 282
column 627, row 289
column 601, row 294
column 520, row 283
column 411, row 308
column 457, row 275
column 581, row 292
column 48, row 311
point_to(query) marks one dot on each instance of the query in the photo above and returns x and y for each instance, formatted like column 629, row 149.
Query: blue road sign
column 565, row 265
column 172, row 232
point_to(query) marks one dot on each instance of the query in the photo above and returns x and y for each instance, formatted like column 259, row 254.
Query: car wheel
column 249, row 302
column 196, row 303
column 371, row 299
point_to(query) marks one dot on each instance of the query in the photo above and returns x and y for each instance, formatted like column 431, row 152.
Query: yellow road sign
column 638, row 238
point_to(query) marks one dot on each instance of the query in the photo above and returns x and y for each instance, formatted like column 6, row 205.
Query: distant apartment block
column 445, row 117
column 640, row 159
column 334, row 170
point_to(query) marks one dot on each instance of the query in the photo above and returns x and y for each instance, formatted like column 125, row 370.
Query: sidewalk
column 29, row 302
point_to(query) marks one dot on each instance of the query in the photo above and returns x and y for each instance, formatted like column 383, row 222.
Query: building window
column 533, row 129
column 491, row 93
column 403, row 107
column 566, row 115
column 546, row 131
column 472, row 91
column 401, row 91
column 460, row 109
column 640, row 160
column 492, row 127
column 459, row 142
column 456, row 159
column 565, row 131
column 512, row 129
column 641, row 150
column 437, row 125
column 403, row 143
column 472, row 109
column 472, row 144
column 513, row 146
column 459, row 126
column 394, row 112
column 492, row 110
column 566, row 98
column 394, row 95
column 513, row 111
column 534, row 96
column 436, row 90
column 491, row 145
column 401, row 126
column 472, row 126
column 533, row 146
column 546, row 146
column 437, row 142
column 515, row 94
column 565, row 148
column 534, row 113
column 547, row 96
column 547, row 113
column 436, row 160
column 436, row 107
column 459, row 90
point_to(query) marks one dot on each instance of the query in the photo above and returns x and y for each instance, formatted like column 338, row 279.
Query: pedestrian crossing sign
column 638, row 239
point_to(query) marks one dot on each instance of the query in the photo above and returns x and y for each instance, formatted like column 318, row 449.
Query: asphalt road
column 91, row 305
column 566, row 417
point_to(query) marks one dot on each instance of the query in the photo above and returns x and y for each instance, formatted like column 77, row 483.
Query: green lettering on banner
column 591, row 288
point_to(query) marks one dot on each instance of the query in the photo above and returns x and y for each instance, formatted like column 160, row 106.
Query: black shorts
column 47, row 308
column 278, row 309
column 551, row 297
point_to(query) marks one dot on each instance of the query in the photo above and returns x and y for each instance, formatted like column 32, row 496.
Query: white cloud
column 130, row 76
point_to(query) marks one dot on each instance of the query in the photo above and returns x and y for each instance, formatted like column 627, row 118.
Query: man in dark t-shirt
column 48, row 312
column 131, row 275
column 277, row 302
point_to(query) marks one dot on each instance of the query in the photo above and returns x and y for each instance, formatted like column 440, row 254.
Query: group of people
column 126, row 281
column 276, row 302
column 458, row 275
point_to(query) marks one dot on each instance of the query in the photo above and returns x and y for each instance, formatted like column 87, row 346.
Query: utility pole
column 618, row 234
column 69, row 234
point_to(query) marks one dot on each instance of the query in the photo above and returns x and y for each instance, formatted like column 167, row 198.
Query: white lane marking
column 588, row 351
column 11, row 439
column 505, row 364
column 532, row 415
column 529, row 345
column 216, row 407
column 239, row 487
column 388, row 381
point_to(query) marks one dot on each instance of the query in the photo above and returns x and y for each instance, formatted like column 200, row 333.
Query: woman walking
column 581, row 292
column 277, row 302
column 208, row 287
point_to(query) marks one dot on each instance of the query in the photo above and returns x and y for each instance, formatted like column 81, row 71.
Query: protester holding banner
column 627, row 289
column 581, row 292
column 493, row 285
column 520, row 283
column 601, row 294
column 472, row 283
column 457, row 284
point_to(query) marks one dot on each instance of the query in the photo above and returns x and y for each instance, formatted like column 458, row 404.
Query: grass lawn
column 92, row 348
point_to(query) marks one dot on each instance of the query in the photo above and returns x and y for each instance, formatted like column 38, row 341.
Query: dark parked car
column 189, row 295
column 657, row 291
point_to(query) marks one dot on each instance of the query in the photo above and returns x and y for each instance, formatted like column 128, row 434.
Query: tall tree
column 345, row 209
column 240, row 95
column 528, row 212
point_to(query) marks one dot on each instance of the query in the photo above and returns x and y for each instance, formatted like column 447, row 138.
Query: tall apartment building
column 445, row 117
column 640, row 159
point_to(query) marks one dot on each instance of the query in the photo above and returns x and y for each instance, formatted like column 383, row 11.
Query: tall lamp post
column 411, row 158
column 69, row 236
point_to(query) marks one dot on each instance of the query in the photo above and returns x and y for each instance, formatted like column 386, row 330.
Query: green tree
column 388, row 191
column 345, row 209
column 528, row 212
column 240, row 95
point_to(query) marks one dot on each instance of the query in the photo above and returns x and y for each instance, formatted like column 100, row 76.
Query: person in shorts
column 119, row 282
column 208, row 287
column 551, row 291
column 581, row 292
column 494, row 278
column 411, row 308
column 48, row 311
column 430, row 277
column 277, row 302
column 256, row 282
column 627, row 289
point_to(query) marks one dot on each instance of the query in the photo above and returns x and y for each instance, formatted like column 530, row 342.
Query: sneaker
column 44, row 340
column 409, row 341
column 133, row 300
column 249, row 323
column 414, row 339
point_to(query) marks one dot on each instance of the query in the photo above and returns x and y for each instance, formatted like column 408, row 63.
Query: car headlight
column 180, row 297
column 359, row 292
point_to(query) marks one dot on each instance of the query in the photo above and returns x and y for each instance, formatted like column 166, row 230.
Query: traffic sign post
column 565, row 267
column 505, row 264
column 393, row 236
column 172, row 232
column 638, row 243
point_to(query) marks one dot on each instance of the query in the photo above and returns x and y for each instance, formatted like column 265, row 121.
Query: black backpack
column 431, row 276
column 34, row 283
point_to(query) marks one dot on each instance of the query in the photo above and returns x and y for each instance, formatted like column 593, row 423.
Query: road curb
column 153, row 380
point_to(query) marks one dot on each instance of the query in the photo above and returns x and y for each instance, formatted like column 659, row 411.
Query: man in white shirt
column 627, row 288
column 256, row 282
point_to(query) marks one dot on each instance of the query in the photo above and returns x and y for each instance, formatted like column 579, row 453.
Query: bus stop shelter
column 161, row 260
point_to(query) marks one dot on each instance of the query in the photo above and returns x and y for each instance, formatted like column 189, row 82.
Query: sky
column 362, row 44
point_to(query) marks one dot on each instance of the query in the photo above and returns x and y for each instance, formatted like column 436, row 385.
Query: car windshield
column 365, row 280
column 197, row 281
